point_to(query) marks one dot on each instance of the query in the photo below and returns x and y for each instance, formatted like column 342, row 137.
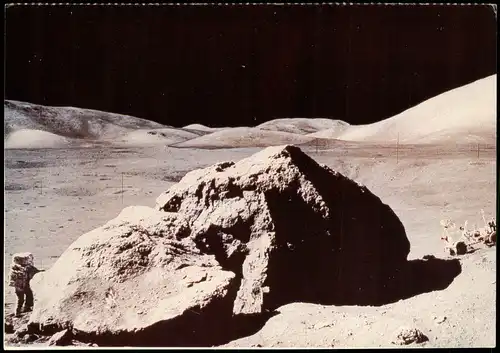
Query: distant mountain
column 28, row 125
column 69, row 121
column 303, row 126
column 202, row 129
column 244, row 137
column 465, row 114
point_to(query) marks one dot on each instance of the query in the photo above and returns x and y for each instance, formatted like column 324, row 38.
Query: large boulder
column 136, row 280
column 226, row 242
column 291, row 230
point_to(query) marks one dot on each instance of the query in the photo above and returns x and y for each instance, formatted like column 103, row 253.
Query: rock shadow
column 344, row 269
column 356, row 255
column 211, row 326
column 422, row 276
column 192, row 330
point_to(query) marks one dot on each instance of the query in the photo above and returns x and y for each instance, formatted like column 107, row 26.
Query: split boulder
column 231, row 239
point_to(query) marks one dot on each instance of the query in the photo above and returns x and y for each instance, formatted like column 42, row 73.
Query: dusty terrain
column 53, row 196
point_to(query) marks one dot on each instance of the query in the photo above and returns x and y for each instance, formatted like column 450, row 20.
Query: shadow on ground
column 409, row 279
column 421, row 276
column 215, row 327
column 412, row 278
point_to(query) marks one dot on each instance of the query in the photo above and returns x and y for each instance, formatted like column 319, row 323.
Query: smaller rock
column 42, row 339
column 29, row 338
column 439, row 319
column 405, row 336
column 8, row 325
column 10, row 339
column 460, row 248
column 321, row 325
column 491, row 239
column 61, row 338
column 21, row 331
column 76, row 343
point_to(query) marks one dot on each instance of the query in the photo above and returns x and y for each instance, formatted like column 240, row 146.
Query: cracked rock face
column 291, row 230
column 115, row 283
column 230, row 239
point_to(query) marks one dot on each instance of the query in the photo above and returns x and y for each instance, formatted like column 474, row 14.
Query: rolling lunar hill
column 244, row 137
column 29, row 125
column 464, row 114
column 28, row 138
column 166, row 136
column 69, row 121
column 303, row 125
column 271, row 133
column 202, row 129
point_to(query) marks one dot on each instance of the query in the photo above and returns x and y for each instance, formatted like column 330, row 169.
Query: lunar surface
column 70, row 170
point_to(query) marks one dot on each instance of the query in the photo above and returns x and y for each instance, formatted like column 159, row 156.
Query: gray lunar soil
column 54, row 196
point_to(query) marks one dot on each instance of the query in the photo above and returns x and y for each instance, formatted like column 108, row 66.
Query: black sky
column 243, row 65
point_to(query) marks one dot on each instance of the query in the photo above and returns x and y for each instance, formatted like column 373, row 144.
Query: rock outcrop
column 227, row 241
column 291, row 230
